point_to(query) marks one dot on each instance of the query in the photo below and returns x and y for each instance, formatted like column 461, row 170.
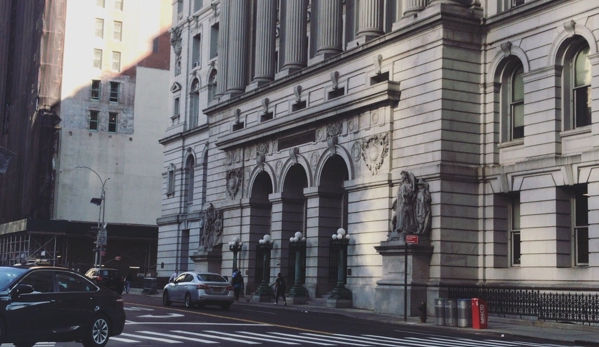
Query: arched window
column 512, row 100
column 576, row 84
column 582, row 88
column 189, row 180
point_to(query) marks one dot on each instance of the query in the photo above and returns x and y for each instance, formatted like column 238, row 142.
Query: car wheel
column 24, row 344
column 225, row 306
column 166, row 301
column 98, row 333
column 187, row 301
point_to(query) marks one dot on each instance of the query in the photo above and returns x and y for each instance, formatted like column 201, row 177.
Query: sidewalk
column 581, row 335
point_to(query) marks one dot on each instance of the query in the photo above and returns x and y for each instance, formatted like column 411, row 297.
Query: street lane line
column 215, row 337
column 201, row 323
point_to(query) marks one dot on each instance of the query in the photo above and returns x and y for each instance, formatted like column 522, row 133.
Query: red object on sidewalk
column 480, row 313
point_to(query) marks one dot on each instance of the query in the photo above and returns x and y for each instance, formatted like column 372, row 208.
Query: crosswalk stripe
column 215, row 337
column 377, row 340
column 302, row 339
column 177, row 337
column 149, row 338
column 343, row 338
column 435, row 342
column 261, row 337
column 474, row 343
column 399, row 342
column 123, row 339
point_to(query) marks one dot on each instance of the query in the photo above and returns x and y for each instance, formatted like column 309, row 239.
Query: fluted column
column 412, row 7
column 370, row 18
column 330, row 27
column 223, row 31
column 296, row 48
column 264, row 67
column 238, row 47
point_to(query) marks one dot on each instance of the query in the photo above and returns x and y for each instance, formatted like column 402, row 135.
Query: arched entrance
column 260, row 221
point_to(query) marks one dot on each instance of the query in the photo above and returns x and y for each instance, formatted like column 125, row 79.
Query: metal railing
column 580, row 306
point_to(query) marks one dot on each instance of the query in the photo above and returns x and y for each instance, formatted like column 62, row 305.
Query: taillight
column 202, row 286
column 229, row 288
column 99, row 279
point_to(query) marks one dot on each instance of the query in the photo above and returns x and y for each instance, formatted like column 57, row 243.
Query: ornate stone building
column 466, row 123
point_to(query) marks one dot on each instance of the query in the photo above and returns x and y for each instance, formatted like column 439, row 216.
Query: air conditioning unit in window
column 518, row 2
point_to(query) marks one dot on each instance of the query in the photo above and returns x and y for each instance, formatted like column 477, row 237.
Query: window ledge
column 577, row 131
column 513, row 143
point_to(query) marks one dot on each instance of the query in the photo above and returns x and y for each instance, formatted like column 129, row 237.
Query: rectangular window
column 197, row 5
column 177, row 107
column 515, row 240
column 93, row 120
column 170, row 185
column 100, row 3
column 118, row 5
column 117, row 33
column 112, row 122
column 95, row 94
column 116, row 61
column 97, row 58
column 196, row 51
column 214, row 41
column 114, row 91
column 179, row 6
column 581, row 224
column 99, row 28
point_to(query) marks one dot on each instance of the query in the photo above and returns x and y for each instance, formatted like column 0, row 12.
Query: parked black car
column 109, row 278
column 44, row 303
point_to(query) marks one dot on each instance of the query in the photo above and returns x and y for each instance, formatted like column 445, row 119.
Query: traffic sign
column 412, row 239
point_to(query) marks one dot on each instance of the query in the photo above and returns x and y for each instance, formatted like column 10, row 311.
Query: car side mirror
column 22, row 289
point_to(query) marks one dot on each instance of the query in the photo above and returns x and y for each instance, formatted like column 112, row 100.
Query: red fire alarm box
column 480, row 313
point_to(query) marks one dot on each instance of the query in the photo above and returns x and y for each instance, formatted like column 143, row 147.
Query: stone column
column 223, row 26
column 370, row 18
column 264, row 61
column 411, row 7
column 295, row 45
column 330, row 27
column 238, row 47
column 451, row 2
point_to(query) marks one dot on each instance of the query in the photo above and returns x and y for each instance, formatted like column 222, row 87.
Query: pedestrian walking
column 174, row 275
column 128, row 280
column 280, row 288
column 237, row 282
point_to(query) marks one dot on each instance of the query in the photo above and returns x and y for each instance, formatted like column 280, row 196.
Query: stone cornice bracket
column 260, row 160
column 570, row 27
column 335, row 79
column 506, row 48
column 378, row 62
column 265, row 102
column 293, row 152
column 298, row 94
column 331, row 143
column 237, row 115
column 214, row 8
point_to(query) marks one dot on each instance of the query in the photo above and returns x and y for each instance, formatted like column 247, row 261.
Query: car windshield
column 8, row 276
column 211, row 278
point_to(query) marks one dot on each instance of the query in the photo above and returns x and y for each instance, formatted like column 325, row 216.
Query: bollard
column 440, row 311
column 451, row 312
column 464, row 313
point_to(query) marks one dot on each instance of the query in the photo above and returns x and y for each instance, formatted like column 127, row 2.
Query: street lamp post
column 101, row 236
column 235, row 246
column 264, row 290
column 298, row 293
column 340, row 292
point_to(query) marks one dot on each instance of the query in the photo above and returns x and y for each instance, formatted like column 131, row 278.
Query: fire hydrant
column 422, row 309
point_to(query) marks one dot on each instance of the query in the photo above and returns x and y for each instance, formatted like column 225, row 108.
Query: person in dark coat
column 280, row 288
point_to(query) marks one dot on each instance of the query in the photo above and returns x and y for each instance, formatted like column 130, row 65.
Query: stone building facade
column 469, row 124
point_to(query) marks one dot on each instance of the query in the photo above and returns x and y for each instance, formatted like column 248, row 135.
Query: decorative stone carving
column 314, row 160
column 293, row 152
column 265, row 102
column 374, row 151
column 177, row 47
column 378, row 61
column 262, row 148
column 412, row 207
column 356, row 150
column 211, row 229
column 298, row 94
column 335, row 79
column 506, row 48
column 334, row 129
column 570, row 27
column 234, row 177
column 374, row 117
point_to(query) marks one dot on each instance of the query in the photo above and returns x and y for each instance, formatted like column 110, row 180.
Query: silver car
column 204, row 288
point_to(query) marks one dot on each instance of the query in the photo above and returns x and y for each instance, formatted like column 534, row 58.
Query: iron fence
column 578, row 307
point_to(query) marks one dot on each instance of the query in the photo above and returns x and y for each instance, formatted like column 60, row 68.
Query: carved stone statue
column 412, row 206
column 211, row 229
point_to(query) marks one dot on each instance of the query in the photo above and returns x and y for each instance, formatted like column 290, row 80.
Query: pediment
column 175, row 87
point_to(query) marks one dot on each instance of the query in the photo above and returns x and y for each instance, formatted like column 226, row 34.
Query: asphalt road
column 151, row 324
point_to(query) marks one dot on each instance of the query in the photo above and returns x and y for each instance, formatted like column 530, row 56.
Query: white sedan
column 203, row 288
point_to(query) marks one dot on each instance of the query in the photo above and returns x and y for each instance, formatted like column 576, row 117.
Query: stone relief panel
column 412, row 207
column 234, row 178
column 314, row 160
column 334, row 129
column 211, row 229
column 374, row 151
